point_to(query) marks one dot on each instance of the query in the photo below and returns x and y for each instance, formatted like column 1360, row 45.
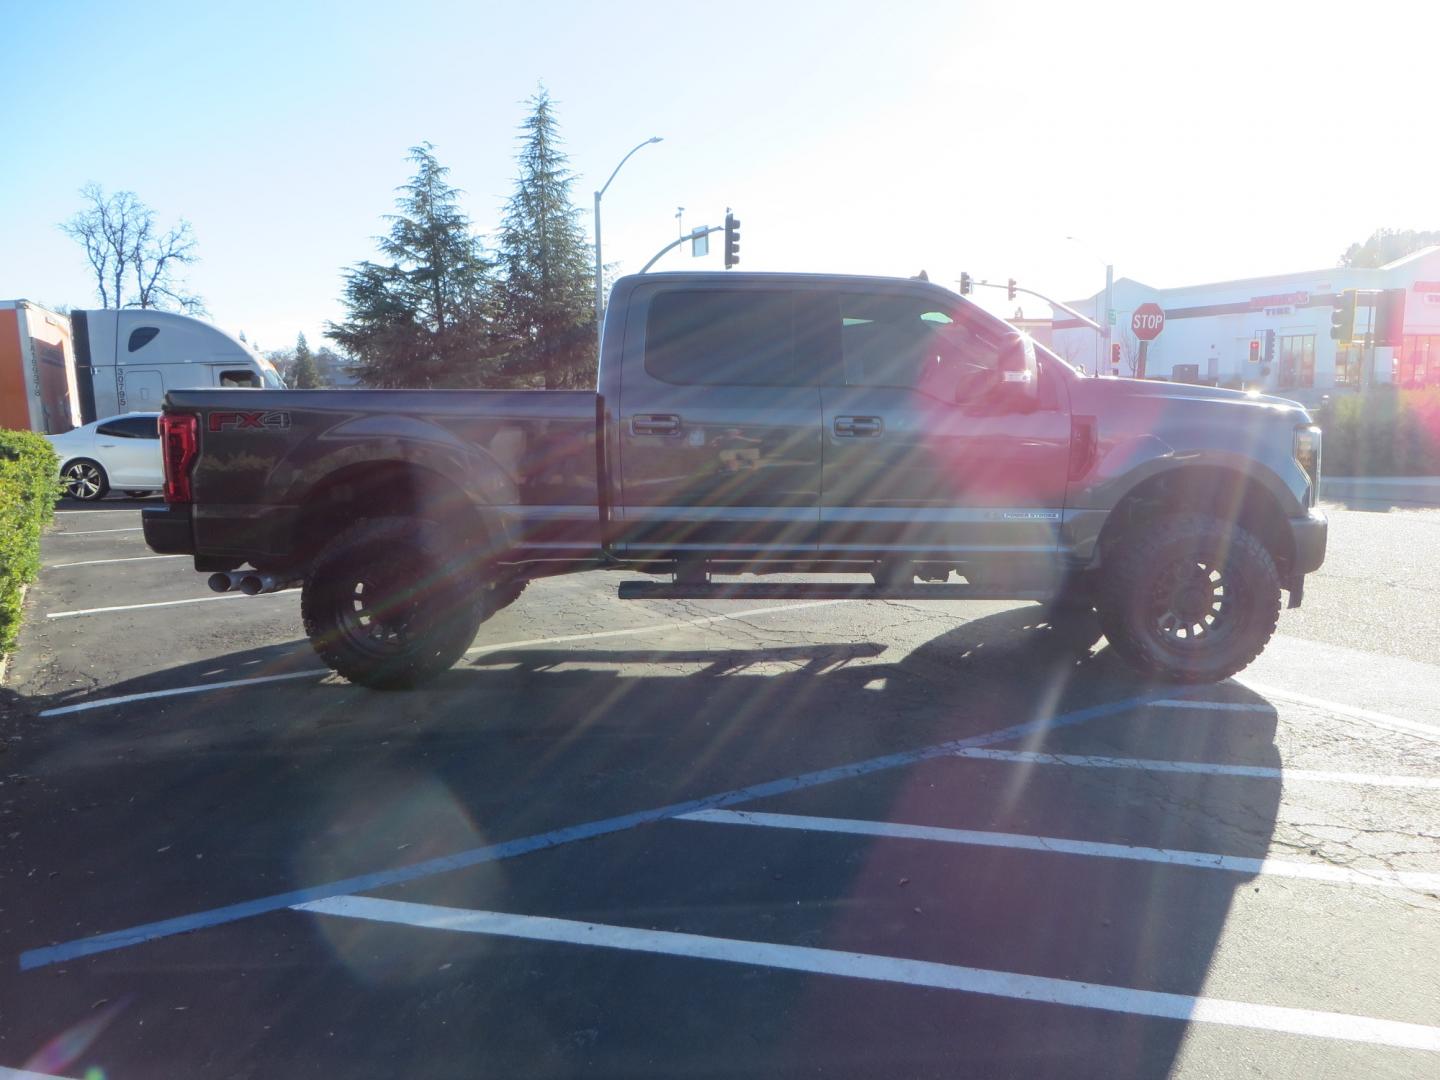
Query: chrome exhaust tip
column 256, row 584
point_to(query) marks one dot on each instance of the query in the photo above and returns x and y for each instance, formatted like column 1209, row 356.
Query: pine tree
column 304, row 375
column 423, row 319
column 548, row 291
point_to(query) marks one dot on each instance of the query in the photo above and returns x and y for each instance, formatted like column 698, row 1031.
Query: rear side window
column 242, row 377
column 131, row 427
column 142, row 336
column 698, row 337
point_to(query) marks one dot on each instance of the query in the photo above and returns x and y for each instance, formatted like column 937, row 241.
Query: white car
column 120, row 452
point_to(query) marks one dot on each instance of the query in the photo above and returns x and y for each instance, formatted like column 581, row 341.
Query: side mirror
column 1015, row 383
column 1019, row 371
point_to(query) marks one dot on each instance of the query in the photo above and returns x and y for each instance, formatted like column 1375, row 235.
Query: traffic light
column 1342, row 317
column 1269, row 346
column 1254, row 351
column 1011, row 288
column 1390, row 318
column 1114, row 358
column 732, row 240
column 965, row 284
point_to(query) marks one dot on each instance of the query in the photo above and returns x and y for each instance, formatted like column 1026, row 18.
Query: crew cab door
column 925, row 456
column 718, row 423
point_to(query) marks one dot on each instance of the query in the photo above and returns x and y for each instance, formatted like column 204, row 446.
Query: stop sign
column 1148, row 321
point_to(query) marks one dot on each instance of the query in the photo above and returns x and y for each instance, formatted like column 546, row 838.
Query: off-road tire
column 392, row 602
column 504, row 593
column 1189, row 598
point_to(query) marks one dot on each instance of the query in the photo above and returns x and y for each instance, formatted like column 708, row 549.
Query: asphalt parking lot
column 711, row 839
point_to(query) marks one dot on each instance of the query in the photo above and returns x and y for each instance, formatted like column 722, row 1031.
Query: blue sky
column 1182, row 142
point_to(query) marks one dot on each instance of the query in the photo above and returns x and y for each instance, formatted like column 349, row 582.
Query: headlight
column 1307, row 454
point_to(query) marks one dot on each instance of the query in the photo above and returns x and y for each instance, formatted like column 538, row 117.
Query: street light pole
column 599, row 265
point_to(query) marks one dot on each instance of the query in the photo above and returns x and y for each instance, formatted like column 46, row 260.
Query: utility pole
column 1109, row 320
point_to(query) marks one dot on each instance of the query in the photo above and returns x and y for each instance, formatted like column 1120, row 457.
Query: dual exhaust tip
column 250, row 582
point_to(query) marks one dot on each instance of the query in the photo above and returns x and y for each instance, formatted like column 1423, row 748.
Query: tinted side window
column 719, row 338
column 142, row 336
column 244, row 377
column 131, row 427
column 907, row 342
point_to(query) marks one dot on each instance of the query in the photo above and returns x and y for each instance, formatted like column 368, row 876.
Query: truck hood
column 1111, row 389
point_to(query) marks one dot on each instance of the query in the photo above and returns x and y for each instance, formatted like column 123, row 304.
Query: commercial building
column 1209, row 330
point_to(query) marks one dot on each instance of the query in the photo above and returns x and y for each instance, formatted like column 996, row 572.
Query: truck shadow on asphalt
column 141, row 812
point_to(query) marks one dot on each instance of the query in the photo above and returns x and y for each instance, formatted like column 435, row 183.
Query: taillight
column 179, row 440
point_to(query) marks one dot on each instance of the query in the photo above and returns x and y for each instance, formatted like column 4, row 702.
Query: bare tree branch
column 1130, row 348
column 122, row 243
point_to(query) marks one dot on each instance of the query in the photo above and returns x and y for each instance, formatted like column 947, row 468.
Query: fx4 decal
column 249, row 421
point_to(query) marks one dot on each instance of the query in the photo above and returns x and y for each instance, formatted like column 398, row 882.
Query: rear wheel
column 391, row 602
column 1191, row 599
column 85, row 480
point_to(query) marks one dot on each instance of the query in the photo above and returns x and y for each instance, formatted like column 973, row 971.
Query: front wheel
column 85, row 480
column 1191, row 598
column 392, row 602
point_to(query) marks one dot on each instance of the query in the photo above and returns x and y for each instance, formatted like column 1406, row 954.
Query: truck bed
column 267, row 458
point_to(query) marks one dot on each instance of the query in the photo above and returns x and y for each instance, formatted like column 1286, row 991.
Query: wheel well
column 1223, row 493
column 384, row 489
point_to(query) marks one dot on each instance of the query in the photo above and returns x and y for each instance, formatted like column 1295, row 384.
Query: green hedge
column 1382, row 433
column 29, row 486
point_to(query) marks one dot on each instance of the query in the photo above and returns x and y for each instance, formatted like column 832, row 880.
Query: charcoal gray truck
column 748, row 425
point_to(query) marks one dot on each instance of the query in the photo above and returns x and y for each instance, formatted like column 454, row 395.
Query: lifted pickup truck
column 751, row 424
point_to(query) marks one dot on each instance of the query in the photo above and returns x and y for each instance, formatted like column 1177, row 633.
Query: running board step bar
column 757, row 590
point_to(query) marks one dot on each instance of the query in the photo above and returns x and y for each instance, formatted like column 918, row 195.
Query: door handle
column 859, row 427
column 654, row 424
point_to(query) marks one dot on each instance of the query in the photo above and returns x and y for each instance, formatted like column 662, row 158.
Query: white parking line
column 1214, row 706
column 1055, row 845
column 103, row 562
column 1204, row 768
column 179, row 691
column 156, row 604
column 890, row 969
column 310, row 673
column 95, row 532
column 1339, row 708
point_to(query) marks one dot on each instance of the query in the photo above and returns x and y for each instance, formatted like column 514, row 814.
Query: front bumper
column 168, row 530
column 1310, row 534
